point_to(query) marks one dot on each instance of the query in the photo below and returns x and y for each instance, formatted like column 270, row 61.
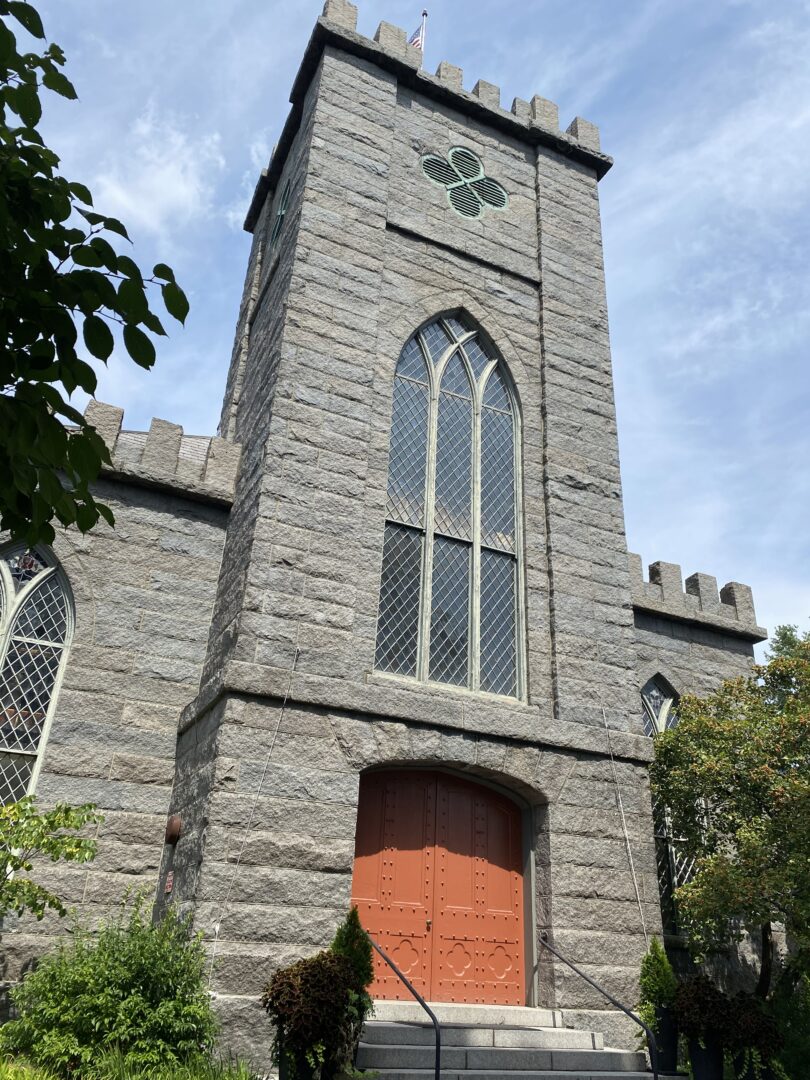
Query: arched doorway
column 438, row 881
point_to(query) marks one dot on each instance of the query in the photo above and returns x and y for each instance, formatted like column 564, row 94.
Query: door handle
column 428, row 924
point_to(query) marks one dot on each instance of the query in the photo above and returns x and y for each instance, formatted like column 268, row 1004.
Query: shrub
column 311, row 1005
column 701, row 1009
column 137, row 986
column 657, row 983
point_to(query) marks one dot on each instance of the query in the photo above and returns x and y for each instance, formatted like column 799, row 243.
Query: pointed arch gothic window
column 675, row 867
column 449, row 608
column 36, row 623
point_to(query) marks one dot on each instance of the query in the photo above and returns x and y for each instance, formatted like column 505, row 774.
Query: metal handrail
column 651, row 1043
column 436, row 1026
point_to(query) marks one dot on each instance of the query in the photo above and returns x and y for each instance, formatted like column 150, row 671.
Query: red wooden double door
column 438, row 881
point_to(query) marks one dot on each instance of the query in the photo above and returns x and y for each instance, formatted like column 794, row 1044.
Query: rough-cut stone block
column 742, row 598
column 521, row 109
column 586, row 133
column 342, row 13
column 107, row 420
column 488, row 93
column 669, row 577
column 222, row 464
column 451, row 75
column 704, row 587
column 545, row 113
column 395, row 41
column 162, row 449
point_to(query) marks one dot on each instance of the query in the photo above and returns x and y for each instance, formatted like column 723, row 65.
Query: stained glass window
column 35, row 627
column 449, row 592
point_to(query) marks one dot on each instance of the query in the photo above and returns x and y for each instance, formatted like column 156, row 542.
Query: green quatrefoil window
column 461, row 174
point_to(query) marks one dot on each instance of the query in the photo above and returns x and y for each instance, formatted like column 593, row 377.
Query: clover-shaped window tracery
column 469, row 191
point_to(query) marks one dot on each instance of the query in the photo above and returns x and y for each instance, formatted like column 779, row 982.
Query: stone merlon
column 199, row 466
column 697, row 600
column 535, row 122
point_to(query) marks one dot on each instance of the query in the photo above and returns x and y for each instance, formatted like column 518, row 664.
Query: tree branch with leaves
column 735, row 775
column 59, row 275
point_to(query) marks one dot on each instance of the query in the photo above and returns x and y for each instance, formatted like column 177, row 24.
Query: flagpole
column 424, row 32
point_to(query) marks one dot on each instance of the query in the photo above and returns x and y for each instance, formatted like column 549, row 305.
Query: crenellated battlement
column 696, row 600
column 200, row 466
column 536, row 121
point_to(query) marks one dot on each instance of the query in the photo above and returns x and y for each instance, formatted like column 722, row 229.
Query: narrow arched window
column 449, row 593
column 658, row 700
column 36, row 622
column 675, row 867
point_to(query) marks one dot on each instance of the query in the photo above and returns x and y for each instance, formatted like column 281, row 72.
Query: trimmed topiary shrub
column 136, row 987
column 318, row 1006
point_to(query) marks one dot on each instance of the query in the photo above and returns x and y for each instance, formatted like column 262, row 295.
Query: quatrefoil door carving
column 438, row 881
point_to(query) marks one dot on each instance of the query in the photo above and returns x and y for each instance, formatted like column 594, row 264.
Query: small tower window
column 449, row 594
column 36, row 623
column 675, row 868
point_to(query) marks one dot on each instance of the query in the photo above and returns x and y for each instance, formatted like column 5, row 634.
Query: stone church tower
column 431, row 669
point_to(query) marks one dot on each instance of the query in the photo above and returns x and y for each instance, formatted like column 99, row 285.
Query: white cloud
column 160, row 177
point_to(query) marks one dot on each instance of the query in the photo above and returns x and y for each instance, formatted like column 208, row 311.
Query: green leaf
column 86, row 256
column 98, row 337
column 28, row 17
column 130, row 268
column 24, row 100
column 106, row 251
column 175, row 300
column 8, row 45
column 60, row 84
column 139, row 346
column 114, row 225
column 163, row 272
column 153, row 323
column 106, row 513
column 81, row 192
column 131, row 301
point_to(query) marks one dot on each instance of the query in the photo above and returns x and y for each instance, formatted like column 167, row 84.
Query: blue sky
column 705, row 108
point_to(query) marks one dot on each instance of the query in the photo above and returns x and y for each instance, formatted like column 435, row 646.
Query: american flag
column 417, row 38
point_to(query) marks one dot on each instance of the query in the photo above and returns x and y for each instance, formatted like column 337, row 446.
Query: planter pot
column 707, row 1061
column 666, row 1039
column 745, row 1069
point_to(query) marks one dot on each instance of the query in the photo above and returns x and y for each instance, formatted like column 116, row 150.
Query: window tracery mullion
column 423, row 648
column 475, row 616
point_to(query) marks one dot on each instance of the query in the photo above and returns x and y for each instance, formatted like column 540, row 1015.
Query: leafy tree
column 735, row 774
column 787, row 642
column 27, row 835
column 59, row 274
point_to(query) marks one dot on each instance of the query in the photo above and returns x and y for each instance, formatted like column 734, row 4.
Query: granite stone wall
column 143, row 594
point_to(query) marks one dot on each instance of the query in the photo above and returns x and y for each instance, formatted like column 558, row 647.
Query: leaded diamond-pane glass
column 498, row 644
column 436, row 340
column 453, row 504
column 477, row 357
column 15, row 776
column 496, row 394
column 398, row 619
column 454, row 380
column 26, row 684
column 456, row 326
column 497, row 480
column 408, row 452
column 44, row 615
column 412, row 362
column 450, row 612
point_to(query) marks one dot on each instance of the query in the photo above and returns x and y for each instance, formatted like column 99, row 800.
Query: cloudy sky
column 705, row 107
